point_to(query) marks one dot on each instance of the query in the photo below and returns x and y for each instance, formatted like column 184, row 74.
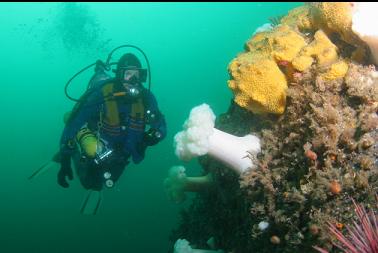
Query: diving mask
column 131, row 74
column 131, row 82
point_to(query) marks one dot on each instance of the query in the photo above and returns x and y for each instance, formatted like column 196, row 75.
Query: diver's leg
column 117, row 169
column 89, row 175
column 91, row 178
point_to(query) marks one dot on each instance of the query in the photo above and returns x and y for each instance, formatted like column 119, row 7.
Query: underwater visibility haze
column 286, row 82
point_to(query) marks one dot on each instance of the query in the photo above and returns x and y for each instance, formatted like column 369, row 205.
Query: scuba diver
column 107, row 127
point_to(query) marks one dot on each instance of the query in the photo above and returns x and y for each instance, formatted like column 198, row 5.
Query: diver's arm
column 156, row 120
column 83, row 111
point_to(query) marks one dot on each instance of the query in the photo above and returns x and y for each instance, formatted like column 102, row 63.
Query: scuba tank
column 87, row 142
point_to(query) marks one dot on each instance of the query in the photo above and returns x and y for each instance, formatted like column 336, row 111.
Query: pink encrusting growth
column 362, row 237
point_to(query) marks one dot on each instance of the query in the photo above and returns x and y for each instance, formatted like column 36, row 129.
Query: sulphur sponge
column 337, row 70
column 321, row 51
column 258, row 84
column 282, row 43
column 335, row 17
column 300, row 18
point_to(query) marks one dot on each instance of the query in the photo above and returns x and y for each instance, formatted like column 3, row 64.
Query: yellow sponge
column 283, row 43
column 258, row 84
column 300, row 18
column 335, row 17
column 320, row 49
column 337, row 70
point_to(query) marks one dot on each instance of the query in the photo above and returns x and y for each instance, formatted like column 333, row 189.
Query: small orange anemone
column 335, row 187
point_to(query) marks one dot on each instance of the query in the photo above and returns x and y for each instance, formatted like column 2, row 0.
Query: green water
column 189, row 46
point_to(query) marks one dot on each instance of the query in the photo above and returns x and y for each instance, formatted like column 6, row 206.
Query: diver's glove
column 65, row 171
column 152, row 137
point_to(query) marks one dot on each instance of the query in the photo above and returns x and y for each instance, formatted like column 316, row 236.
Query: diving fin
column 45, row 167
column 41, row 170
column 91, row 202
